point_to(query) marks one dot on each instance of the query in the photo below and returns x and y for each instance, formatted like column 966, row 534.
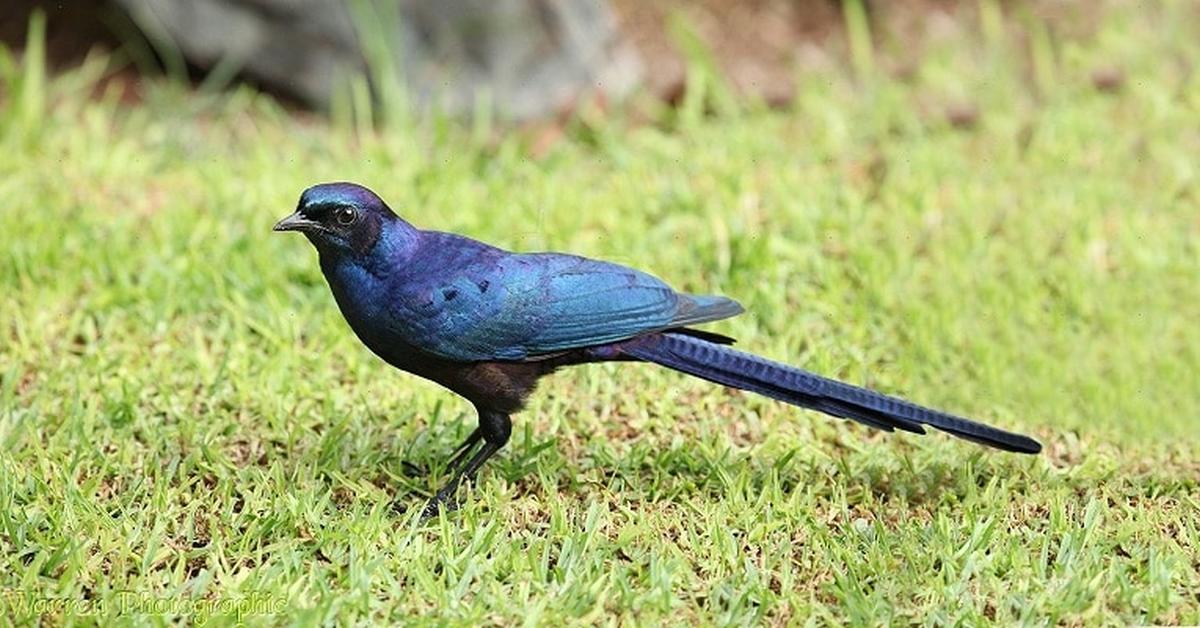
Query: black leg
column 461, row 452
column 445, row 495
column 456, row 457
column 494, row 429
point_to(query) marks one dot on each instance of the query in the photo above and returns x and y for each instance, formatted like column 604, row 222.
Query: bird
column 488, row 324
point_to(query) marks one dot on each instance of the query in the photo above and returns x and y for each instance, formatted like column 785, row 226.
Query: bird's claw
column 436, row 504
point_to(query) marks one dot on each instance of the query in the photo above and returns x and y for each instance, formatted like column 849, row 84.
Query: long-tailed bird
column 488, row 324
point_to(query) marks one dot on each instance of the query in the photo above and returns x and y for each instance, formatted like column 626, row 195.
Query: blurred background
column 518, row 60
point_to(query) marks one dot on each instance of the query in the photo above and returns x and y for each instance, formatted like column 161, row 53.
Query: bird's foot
column 434, row 506
column 445, row 496
column 443, row 500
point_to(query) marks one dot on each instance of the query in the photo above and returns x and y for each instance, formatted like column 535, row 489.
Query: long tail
column 721, row 364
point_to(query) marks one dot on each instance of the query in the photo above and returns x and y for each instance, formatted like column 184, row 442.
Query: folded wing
column 522, row 306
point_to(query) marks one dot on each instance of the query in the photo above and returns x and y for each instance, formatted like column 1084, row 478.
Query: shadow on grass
column 709, row 469
column 843, row 474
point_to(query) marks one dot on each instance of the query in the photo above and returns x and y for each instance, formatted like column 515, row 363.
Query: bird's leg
column 494, row 429
column 456, row 457
column 460, row 453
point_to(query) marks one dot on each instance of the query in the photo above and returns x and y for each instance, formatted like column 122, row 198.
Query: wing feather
column 543, row 303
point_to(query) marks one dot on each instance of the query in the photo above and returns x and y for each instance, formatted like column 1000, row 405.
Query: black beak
column 296, row 222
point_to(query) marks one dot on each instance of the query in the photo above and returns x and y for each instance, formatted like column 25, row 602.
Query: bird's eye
column 344, row 215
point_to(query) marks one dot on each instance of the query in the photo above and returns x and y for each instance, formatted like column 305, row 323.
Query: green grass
column 185, row 415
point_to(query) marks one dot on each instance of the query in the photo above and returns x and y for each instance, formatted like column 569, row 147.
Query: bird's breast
column 363, row 300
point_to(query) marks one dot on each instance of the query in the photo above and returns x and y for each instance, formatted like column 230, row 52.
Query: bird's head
column 341, row 218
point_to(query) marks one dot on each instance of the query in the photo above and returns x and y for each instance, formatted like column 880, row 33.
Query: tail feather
column 721, row 364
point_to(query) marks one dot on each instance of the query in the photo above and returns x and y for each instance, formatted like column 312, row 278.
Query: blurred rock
column 527, row 58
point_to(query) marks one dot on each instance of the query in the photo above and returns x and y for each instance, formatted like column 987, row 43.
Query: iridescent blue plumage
column 487, row 323
column 486, row 304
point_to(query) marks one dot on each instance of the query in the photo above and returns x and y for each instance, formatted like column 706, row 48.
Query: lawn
column 184, row 415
